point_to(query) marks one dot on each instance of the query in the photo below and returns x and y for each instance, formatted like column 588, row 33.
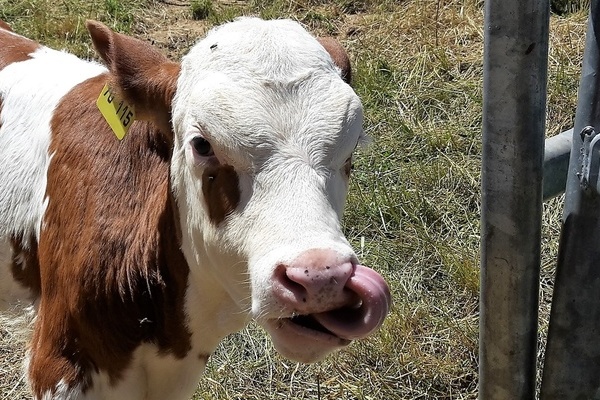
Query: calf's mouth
column 349, row 322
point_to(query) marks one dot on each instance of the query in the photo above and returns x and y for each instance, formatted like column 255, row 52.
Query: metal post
column 572, row 365
column 515, row 77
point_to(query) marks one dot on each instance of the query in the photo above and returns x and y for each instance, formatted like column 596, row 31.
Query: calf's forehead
column 254, row 49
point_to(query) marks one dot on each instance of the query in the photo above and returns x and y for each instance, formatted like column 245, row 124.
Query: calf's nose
column 315, row 281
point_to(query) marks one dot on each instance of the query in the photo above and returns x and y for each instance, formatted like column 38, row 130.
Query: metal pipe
column 515, row 77
column 572, row 361
column 556, row 163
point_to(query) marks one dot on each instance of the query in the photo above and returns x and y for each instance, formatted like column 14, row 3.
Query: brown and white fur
column 221, row 205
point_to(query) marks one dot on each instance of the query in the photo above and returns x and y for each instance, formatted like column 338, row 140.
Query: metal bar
column 556, row 163
column 572, row 361
column 514, row 83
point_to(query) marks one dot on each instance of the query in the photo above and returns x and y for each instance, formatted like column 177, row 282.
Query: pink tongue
column 356, row 323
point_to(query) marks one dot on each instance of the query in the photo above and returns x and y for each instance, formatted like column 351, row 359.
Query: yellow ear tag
column 119, row 114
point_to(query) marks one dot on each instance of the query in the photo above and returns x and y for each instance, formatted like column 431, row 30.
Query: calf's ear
column 139, row 73
column 339, row 56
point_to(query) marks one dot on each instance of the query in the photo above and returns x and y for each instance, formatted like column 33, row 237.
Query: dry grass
column 14, row 334
column 413, row 209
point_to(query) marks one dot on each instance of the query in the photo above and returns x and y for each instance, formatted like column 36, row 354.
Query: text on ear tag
column 118, row 113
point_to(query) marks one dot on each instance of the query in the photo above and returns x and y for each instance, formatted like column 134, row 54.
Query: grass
column 60, row 24
column 414, row 203
column 201, row 9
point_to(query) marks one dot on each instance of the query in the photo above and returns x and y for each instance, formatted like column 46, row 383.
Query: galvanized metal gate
column 513, row 169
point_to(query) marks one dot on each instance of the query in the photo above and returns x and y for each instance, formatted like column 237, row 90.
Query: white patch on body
column 150, row 376
column 30, row 91
column 63, row 392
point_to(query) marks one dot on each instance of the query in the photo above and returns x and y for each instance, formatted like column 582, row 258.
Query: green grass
column 202, row 9
column 414, row 204
column 60, row 24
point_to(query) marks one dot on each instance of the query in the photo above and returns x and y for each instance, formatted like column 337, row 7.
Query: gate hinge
column 590, row 163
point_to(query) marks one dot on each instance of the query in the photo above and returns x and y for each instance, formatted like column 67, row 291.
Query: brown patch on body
column 221, row 191
column 14, row 48
column 339, row 57
column 112, row 272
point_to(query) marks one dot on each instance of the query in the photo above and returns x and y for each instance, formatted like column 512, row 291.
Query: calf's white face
column 264, row 130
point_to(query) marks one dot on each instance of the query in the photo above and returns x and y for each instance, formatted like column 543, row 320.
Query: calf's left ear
column 139, row 73
column 339, row 56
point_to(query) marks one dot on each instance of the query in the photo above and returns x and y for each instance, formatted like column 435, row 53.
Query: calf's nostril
column 288, row 288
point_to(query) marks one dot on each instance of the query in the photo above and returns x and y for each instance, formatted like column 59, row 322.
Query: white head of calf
column 265, row 129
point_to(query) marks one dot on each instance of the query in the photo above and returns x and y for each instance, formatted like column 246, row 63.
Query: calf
column 221, row 204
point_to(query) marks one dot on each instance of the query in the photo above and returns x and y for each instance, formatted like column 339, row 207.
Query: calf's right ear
column 139, row 73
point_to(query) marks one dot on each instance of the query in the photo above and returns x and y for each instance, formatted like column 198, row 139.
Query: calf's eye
column 202, row 147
